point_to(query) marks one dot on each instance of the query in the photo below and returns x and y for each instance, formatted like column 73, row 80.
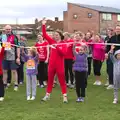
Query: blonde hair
column 33, row 51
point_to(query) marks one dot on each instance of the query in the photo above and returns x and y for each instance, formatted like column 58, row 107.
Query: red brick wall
column 82, row 23
column 65, row 18
column 105, row 24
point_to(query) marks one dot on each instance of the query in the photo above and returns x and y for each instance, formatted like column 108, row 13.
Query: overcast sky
column 25, row 11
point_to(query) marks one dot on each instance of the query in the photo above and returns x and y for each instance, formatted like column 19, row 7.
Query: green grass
column 98, row 105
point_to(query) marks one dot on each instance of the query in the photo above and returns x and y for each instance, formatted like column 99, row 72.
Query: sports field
column 98, row 104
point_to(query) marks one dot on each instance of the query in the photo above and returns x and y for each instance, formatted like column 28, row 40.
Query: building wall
column 82, row 23
column 110, row 23
column 65, row 18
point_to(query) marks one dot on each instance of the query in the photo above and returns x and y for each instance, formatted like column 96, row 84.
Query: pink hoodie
column 98, row 51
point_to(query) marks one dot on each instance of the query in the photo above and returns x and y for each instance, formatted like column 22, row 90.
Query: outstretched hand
column 44, row 21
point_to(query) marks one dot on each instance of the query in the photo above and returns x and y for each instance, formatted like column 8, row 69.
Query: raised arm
column 25, row 56
column 36, row 58
column 45, row 35
column 112, row 57
column 74, row 51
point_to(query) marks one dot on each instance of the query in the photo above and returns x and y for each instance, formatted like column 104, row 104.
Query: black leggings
column 2, row 92
column 9, row 76
column 80, row 80
column 42, row 72
column 68, row 70
column 97, row 65
column 20, row 72
column 89, row 65
column 110, row 71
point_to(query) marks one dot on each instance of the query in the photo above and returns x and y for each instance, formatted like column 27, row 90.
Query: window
column 89, row 15
column 118, row 17
column 75, row 31
column 75, row 16
column 106, row 16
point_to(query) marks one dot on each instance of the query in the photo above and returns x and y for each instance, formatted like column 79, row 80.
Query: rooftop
column 99, row 8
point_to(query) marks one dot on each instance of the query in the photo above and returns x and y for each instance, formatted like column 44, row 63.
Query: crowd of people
column 62, row 57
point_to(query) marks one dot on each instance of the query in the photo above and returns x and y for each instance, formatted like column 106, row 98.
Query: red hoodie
column 1, row 59
column 69, row 54
column 56, row 53
column 42, row 51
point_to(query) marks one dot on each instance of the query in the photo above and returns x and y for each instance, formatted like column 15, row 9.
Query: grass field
column 98, row 104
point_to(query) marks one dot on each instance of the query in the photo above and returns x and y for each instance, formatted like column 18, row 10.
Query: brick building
column 79, row 17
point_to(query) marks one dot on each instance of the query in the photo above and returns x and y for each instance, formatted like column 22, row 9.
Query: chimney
column 56, row 19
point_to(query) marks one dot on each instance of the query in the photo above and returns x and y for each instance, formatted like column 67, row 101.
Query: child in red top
column 43, row 52
column 56, row 62
column 1, row 75
column 69, row 60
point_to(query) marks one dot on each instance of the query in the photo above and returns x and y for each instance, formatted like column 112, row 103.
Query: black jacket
column 116, row 39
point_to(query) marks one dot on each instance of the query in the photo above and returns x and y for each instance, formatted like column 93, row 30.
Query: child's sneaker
column 46, row 98
column 78, row 100
column 65, row 98
column 33, row 98
column 16, row 88
column 82, row 99
column 115, row 101
column 28, row 97
column 1, row 99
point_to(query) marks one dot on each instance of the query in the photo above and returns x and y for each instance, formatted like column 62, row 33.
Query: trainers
column 115, row 101
column 71, row 86
column 38, row 84
column 99, row 83
column 82, row 99
column 45, row 83
column 68, row 84
column 46, row 98
column 28, row 97
column 110, row 87
column 33, row 98
column 65, row 99
column 95, row 83
column 21, row 83
column 78, row 100
column 8, row 84
column 1, row 99
column 15, row 88
column 42, row 86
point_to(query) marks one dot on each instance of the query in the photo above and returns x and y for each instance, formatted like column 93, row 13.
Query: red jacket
column 1, row 59
column 69, row 54
column 42, row 51
column 56, row 53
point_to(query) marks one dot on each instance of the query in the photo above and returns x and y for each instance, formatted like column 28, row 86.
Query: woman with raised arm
column 56, row 62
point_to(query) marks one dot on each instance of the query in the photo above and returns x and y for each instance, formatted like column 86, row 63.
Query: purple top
column 31, row 64
column 81, row 63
